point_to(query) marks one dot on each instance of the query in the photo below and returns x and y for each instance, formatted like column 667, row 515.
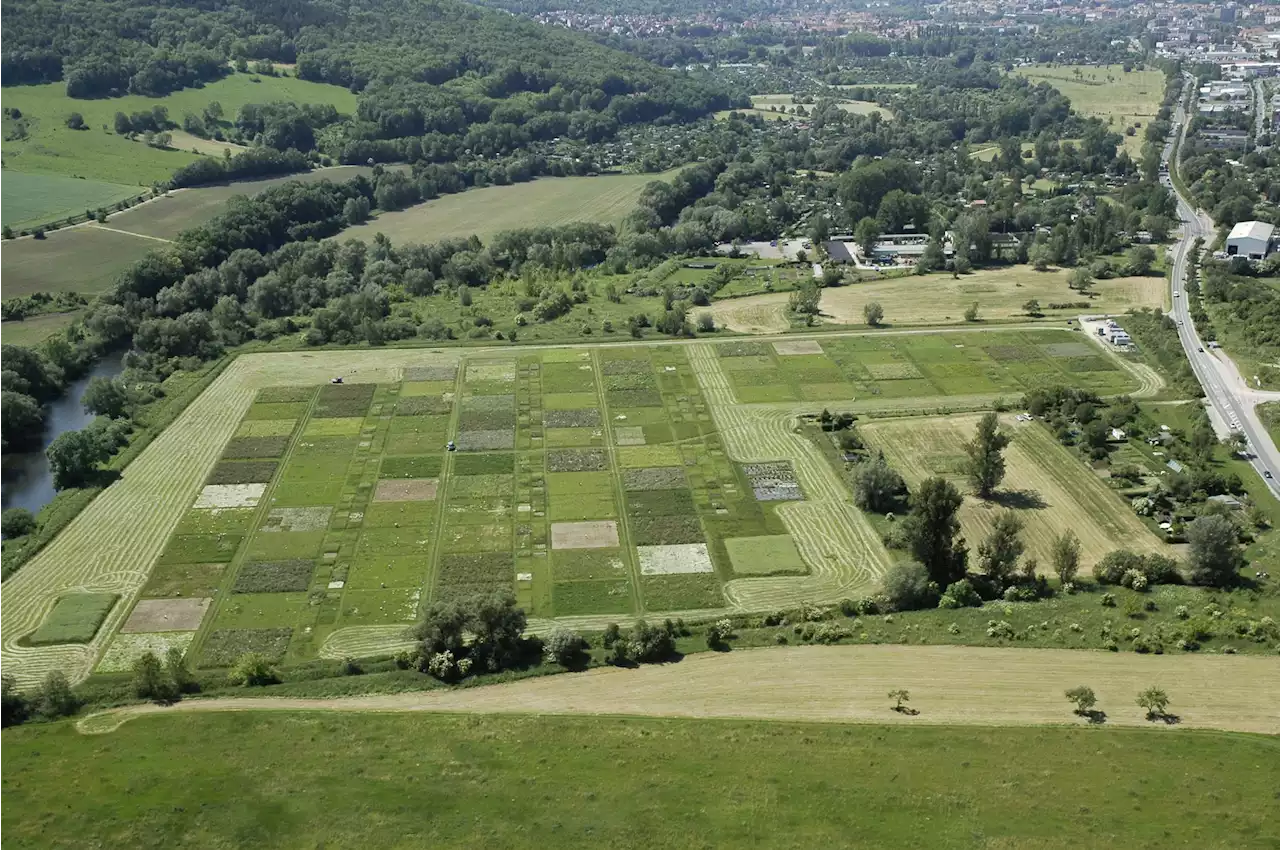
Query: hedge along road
column 848, row 684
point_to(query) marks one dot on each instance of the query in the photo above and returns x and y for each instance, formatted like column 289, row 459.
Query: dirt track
column 948, row 685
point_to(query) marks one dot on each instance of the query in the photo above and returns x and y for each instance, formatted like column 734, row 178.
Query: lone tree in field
column 150, row 680
column 1215, row 557
column 873, row 313
column 971, row 312
column 1065, row 554
column 899, row 696
column 1032, row 308
column 1155, row 701
column 804, row 299
column 1084, row 699
column 932, row 529
column 998, row 555
column 1081, row 281
column 986, row 456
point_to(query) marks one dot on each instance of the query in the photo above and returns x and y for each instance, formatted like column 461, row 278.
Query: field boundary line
column 129, row 233
column 984, row 686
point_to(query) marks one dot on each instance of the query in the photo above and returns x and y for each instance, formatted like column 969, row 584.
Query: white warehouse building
column 1250, row 239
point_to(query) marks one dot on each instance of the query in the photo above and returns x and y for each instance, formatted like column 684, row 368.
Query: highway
column 1233, row 399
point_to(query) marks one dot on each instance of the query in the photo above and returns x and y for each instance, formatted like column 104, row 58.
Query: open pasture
column 1050, row 489
column 87, row 258
column 547, row 201
column 1120, row 99
column 30, row 199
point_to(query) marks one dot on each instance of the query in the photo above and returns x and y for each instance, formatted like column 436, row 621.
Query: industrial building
column 1251, row 239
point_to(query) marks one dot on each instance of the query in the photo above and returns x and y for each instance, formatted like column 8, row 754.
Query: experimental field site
column 286, row 514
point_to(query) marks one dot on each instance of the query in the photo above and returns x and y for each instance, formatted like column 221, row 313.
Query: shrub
column 906, row 586
column 16, row 522
column 1108, row 600
column 719, row 632
column 961, row 594
column 564, row 647
column 55, row 697
column 253, row 669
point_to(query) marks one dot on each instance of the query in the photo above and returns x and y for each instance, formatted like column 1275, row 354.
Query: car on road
column 1266, row 473
column 1176, row 293
column 1200, row 348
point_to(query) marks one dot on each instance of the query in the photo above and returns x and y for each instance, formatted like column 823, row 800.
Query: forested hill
column 440, row 62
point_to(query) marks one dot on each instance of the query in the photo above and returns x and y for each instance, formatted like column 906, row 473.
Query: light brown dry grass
column 1049, row 488
column 948, row 685
column 166, row 615
column 592, row 534
column 1000, row 294
column 755, row 314
column 406, row 490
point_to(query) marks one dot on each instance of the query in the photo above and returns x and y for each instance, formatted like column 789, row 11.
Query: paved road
column 1224, row 388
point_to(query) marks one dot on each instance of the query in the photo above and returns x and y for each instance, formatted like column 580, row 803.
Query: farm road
column 950, row 685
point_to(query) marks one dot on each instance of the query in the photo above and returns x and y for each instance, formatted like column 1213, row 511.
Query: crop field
column 1048, row 487
column 36, row 329
column 97, row 153
column 87, row 258
column 548, row 201
column 1105, row 91
column 224, row 780
column 938, row 299
column 299, row 518
column 29, row 199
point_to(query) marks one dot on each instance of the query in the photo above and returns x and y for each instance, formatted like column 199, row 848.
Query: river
column 27, row 481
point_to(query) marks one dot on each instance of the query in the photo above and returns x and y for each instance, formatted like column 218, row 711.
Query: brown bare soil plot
column 406, row 490
column 982, row 686
column 166, row 615
column 755, row 314
column 601, row 534
column 1051, row 489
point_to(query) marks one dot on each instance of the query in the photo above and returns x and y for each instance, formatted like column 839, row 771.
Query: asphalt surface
column 1230, row 396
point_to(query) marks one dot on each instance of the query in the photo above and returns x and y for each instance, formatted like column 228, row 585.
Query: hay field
column 1121, row 100
column 36, row 329
column 547, row 201
column 753, row 314
column 983, row 686
column 1049, row 488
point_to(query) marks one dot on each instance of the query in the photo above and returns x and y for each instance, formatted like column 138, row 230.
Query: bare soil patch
column 598, row 534
column 406, row 490
column 787, row 347
column 215, row 496
column 676, row 559
column 297, row 519
column 166, row 615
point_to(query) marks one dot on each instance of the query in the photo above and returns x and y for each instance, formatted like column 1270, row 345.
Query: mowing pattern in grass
column 74, row 619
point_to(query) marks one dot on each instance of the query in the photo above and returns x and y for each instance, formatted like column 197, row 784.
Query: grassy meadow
column 545, row 202
column 97, row 153
column 1120, row 99
column 223, row 780
column 31, row 199
column 88, row 258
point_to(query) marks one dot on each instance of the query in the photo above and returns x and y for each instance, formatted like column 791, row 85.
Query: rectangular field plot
column 223, row 647
column 1048, row 487
column 75, row 618
column 768, row 555
column 592, row 597
column 166, row 615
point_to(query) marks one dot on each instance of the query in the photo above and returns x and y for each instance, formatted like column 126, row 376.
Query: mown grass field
column 940, row 299
column 545, row 202
column 1049, row 488
column 30, row 199
column 513, row 782
column 88, row 258
column 1121, row 100
column 94, row 153
column 36, row 329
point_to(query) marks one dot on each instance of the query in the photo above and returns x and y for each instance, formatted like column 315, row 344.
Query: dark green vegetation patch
column 584, row 418
column 681, row 592
column 467, row 575
column 200, row 548
column 74, row 618
column 653, row 478
column 283, row 395
column 223, row 647
column 665, row 530
column 653, row 503
column 255, row 447
column 484, row 463
column 419, row 466
column 274, row 576
column 343, row 400
column 576, row 460
column 242, row 472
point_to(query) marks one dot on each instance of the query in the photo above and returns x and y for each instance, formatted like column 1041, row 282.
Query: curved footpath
column 951, row 685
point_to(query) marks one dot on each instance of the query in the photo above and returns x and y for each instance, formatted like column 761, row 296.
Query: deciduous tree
column 932, row 531
column 986, row 456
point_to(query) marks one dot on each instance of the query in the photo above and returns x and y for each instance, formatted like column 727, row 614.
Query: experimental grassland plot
column 1049, row 488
